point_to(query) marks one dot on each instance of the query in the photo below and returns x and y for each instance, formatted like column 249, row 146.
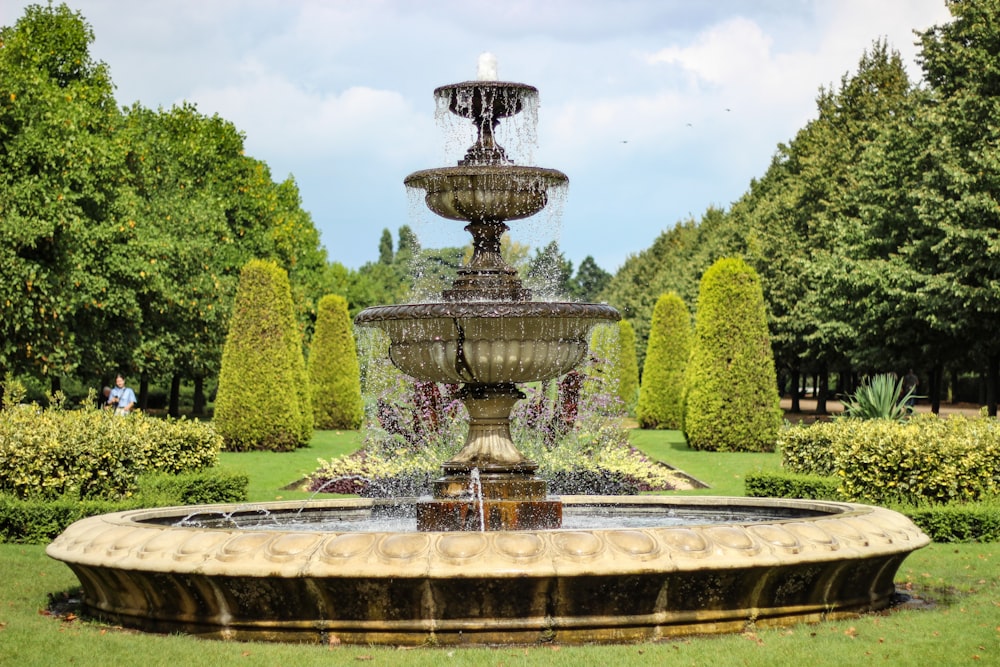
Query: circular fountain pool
column 770, row 562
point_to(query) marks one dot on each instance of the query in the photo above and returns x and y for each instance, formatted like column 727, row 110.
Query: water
column 400, row 517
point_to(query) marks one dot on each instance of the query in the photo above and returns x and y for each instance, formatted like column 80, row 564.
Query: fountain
column 490, row 557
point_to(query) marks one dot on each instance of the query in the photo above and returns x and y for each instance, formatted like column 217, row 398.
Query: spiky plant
column 881, row 396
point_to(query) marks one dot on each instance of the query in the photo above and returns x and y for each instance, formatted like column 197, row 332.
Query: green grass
column 271, row 472
column 962, row 626
column 723, row 471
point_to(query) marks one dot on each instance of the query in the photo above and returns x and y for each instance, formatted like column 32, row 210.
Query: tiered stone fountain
column 625, row 568
column 487, row 333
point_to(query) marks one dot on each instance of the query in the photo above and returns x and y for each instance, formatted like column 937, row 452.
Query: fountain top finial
column 487, row 70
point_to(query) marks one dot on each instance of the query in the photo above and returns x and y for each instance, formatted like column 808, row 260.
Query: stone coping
column 841, row 531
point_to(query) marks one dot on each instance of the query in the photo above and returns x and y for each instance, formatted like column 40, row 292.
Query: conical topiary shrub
column 661, row 394
column 613, row 349
column 732, row 401
column 263, row 397
column 334, row 374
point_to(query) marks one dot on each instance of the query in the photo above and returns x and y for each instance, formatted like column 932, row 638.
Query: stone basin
column 477, row 193
column 487, row 342
column 798, row 561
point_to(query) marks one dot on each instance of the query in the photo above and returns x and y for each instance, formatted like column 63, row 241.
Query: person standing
column 122, row 398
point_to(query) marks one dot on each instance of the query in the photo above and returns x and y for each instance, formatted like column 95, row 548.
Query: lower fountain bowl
column 487, row 342
column 658, row 567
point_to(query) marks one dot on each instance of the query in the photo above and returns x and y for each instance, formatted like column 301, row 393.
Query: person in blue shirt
column 122, row 398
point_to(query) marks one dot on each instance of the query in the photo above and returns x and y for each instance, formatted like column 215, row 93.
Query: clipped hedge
column 263, row 401
column 926, row 459
column 41, row 520
column 92, row 454
column 791, row 485
column 334, row 372
column 661, row 395
column 956, row 522
column 731, row 402
column 964, row 522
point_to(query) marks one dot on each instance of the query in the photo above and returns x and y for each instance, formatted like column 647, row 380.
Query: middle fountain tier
column 486, row 333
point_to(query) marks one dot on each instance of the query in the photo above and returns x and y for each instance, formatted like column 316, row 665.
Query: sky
column 656, row 110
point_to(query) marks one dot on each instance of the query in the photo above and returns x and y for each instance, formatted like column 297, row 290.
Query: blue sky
column 655, row 109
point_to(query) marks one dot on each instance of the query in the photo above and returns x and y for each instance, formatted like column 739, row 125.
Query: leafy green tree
column 263, row 398
column 334, row 374
column 589, row 281
column 661, row 394
column 732, row 401
column 954, row 245
column 803, row 209
column 66, row 284
column 549, row 273
column 385, row 254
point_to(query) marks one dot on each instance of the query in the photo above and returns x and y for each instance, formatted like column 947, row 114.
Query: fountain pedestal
column 489, row 484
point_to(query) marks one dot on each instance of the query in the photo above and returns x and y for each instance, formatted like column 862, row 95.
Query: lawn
column 954, row 619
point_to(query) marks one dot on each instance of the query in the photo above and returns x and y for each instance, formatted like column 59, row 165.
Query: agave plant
column 880, row 397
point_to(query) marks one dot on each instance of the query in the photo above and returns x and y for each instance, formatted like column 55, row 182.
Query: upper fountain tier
column 485, row 189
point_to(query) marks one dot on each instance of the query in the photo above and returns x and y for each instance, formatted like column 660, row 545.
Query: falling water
column 476, row 487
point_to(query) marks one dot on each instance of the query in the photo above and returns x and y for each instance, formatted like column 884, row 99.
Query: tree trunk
column 199, row 396
column 795, row 391
column 935, row 388
column 56, row 384
column 992, row 380
column 823, row 379
column 143, row 392
column 174, row 407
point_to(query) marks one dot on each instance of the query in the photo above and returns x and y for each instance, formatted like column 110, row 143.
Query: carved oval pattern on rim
column 461, row 546
column 347, row 545
column 242, row 546
column 520, row 546
column 812, row 534
column 403, row 546
column 164, row 541
column 688, row 541
column 846, row 531
column 777, row 537
column 290, row 546
column 634, row 543
column 198, row 546
column 733, row 538
column 578, row 545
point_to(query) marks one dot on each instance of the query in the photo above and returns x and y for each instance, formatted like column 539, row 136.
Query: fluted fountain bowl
column 495, row 193
column 486, row 101
column 489, row 342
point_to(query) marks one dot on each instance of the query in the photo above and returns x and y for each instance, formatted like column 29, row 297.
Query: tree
column 804, row 208
column 953, row 248
column 732, row 401
column 549, row 273
column 334, row 375
column 589, row 281
column 661, row 394
column 66, row 283
column 263, row 398
column 385, row 254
